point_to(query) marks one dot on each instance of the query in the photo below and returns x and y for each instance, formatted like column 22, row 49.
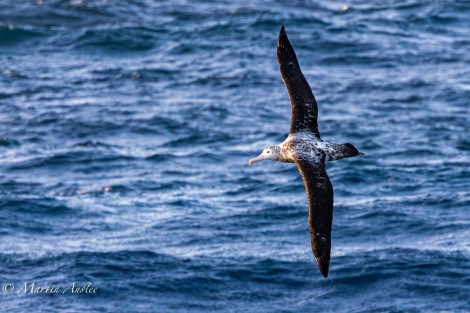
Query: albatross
column 308, row 151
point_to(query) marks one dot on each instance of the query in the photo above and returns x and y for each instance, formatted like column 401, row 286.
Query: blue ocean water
column 125, row 135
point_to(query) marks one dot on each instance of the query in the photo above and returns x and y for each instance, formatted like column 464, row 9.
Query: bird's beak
column 257, row 159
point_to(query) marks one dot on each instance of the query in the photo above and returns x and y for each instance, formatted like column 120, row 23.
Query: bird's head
column 269, row 153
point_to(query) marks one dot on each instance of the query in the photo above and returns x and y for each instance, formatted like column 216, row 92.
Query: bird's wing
column 303, row 103
column 320, row 214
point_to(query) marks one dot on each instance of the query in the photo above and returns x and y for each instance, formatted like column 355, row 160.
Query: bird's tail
column 348, row 150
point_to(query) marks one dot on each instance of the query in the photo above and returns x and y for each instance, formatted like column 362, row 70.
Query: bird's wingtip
column 323, row 266
column 282, row 39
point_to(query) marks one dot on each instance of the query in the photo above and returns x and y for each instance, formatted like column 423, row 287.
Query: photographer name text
column 52, row 288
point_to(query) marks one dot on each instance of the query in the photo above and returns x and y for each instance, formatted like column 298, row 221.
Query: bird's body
column 304, row 145
column 308, row 151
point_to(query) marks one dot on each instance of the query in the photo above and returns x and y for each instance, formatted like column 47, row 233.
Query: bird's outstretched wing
column 303, row 103
column 320, row 214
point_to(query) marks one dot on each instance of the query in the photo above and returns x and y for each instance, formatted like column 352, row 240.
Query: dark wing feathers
column 320, row 214
column 317, row 184
column 304, row 105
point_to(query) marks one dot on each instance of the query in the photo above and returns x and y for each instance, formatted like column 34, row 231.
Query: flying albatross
column 308, row 151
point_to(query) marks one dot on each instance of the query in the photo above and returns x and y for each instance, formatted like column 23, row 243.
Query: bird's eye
column 268, row 151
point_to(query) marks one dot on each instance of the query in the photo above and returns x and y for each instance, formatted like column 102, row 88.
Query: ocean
column 126, row 130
